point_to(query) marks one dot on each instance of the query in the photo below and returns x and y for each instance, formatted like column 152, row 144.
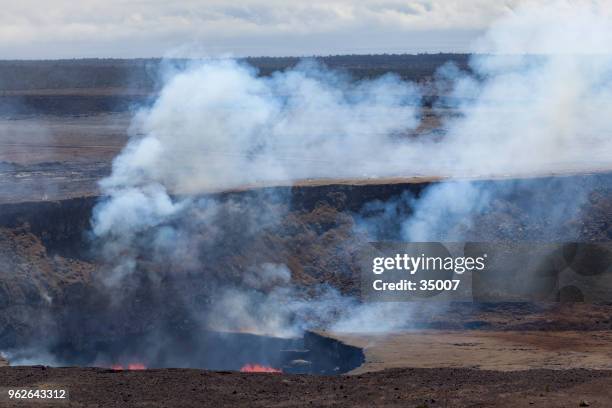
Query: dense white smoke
column 538, row 102
column 540, row 106
column 218, row 125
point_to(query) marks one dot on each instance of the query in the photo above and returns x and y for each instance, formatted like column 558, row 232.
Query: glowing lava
column 130, row 366
column 257, row 368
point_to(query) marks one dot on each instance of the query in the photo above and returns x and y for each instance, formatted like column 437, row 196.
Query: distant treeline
column 411, row 67
column 143, row 74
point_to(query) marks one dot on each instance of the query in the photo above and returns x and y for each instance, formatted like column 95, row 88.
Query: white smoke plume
column 540, row 107
column 218, row 125
column 538, row 97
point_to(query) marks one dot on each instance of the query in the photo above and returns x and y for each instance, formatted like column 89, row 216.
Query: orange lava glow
column 131, row 366
column 257, row 368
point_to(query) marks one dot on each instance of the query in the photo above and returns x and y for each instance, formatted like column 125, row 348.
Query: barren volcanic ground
column 57, row 157
column 408, row 387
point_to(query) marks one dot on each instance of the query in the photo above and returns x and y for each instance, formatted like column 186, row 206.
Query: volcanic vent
column 160, row 316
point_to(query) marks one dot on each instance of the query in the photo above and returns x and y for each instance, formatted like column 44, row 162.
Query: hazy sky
column 143, row 28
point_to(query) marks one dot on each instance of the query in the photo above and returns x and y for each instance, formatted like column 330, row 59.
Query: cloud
column 34, row 29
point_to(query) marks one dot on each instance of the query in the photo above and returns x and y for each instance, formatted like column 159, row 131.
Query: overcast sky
column 35, row 29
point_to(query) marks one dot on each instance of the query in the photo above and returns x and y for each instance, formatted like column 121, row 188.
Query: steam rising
column 218, row 125
column 541, row 107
